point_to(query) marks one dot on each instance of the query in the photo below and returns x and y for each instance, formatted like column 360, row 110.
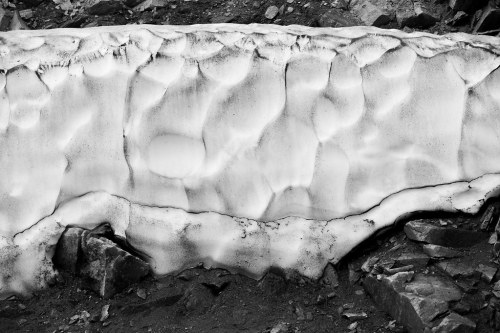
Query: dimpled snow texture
column 240, row 146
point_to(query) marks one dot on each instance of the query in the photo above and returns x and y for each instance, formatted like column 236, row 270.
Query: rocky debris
column 330, row 277
column 413, row 14
column 197, row 299
column 337, row 18
column 454, row 323
column 370, row 14
column 436, row 251
column 422, row 231
column 105, row 267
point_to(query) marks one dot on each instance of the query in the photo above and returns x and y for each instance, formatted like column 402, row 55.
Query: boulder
column 415, row 312
column 421, row 231
column 103, row 265
column 109, row 269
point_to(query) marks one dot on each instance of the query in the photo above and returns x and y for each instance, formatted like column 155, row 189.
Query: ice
column 237, row 146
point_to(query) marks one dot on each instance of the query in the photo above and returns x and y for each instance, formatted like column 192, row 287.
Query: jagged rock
column 456, row 269
column 105, row 7
column 413, row 15
column 454, row 323
column 109, row 269
column 412, row 258
column 369, row 264
column 489, row 20
column 68, row 250
column 271, row 12
column 330, row 277
column 415, row 312
column 450, row 237
column 487, row 272
column 337, row 18
column 370, row 14
column 466, row 5
column 339, row 4
column 489, row 218
column 436, row 251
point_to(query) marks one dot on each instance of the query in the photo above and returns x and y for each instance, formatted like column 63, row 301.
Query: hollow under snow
column 238, row 146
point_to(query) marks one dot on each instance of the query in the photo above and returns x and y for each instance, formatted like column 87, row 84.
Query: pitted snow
column 261, row 123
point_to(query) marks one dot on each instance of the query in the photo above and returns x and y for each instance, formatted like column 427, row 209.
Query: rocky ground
column 434, row 273
column 435, row 16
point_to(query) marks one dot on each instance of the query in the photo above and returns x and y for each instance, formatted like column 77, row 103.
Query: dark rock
column 415, row 259
column 489, row 20
column 422, row 231
column 32, row 3
column 340, row 4
column 68, row 250
column 461, row 307
column 370, row 14
column 413, row 15
column 108, row 269
column 105, row 7
column 455, row 323
column 337, row 18
column 468, row 6
column 433, row 287
column 330, row 277
column 132, row 3
column 369, row 264
column 489, row 218
column 415, row 312
column 273, row 283
column 197, row 299
column 455, row 268
column 487, row 272
column 436, row 251
column 459, row 18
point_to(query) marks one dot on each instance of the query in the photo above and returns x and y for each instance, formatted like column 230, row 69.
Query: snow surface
column 238, row 146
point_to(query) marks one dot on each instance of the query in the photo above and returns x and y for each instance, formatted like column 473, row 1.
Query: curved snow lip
column 172, row 239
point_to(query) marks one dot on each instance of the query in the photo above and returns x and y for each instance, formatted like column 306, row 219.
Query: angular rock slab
column 240, row 146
